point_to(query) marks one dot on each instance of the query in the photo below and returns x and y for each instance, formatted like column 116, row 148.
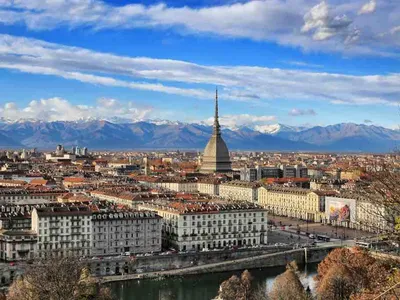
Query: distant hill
column 100, row 134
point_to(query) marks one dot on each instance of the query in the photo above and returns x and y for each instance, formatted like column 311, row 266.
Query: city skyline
column 291, row 62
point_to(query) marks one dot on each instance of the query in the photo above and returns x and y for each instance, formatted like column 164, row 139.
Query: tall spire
column 216, row 129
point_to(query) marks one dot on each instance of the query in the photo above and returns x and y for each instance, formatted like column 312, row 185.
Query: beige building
column 177, row 185
column 126, row 231
column 356, row 212
column 12, row 183
column 209, row 187
column 372, row 217
column 207, row 224
column 239, row 190
column 292, row 202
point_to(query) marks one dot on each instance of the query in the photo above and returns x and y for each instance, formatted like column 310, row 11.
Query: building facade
column 239, row 190
column 63, row 231
column 292, row 202
column 17, row 245
column 209, row 225
column 126, row 231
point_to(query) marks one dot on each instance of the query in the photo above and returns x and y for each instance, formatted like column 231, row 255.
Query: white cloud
column 244, row 83
column 243, row 120
column 58, row 109
column 302, row 112
column 324, row 26
column 305, row 23
column 303, row 64
column 368, row 7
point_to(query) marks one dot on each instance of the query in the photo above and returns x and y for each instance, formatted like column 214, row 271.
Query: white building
column 206, row 224
column 64, row 231
column 60, row 158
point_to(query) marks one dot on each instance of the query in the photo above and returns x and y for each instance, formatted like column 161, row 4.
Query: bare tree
column 57, row 279
column 380, row 190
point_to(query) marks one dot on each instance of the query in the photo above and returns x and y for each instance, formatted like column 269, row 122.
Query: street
column 319, row 228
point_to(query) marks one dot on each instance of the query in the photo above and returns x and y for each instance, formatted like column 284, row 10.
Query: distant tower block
column 146, row 166
column 216, row 154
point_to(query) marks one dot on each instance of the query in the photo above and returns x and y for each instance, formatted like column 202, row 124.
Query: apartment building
column 63, row 230
column 208, row 186
column 210, row 224
column 177, row 185
column 12, row 183
column 17, row 245
column 116, row 232
column 293, row 202
column 239, row 190
column 29, row 196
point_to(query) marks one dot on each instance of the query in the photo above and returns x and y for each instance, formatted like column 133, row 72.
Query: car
column 148, row 254
column 139, row 255
column 205, row 250
column 311, row 236
column 127, row 253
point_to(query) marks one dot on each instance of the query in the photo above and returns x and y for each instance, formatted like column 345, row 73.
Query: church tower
column 216, row 154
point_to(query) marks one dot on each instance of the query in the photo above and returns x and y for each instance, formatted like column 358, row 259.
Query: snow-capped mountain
column 166, row 134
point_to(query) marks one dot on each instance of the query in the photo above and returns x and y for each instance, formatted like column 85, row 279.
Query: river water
column 196, row 287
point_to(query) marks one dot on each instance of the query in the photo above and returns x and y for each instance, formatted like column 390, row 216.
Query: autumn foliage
column 241, row 288
column 353, row 274
column 287, row 286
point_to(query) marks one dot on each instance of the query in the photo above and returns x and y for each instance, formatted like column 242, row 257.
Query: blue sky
column 296, row 62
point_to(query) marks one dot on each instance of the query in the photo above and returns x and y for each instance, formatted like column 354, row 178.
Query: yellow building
column 292, row 202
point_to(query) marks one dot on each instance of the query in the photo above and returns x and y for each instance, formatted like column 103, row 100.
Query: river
column 196, row 287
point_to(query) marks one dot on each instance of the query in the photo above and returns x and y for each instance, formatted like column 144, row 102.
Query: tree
column 242, row 288
column 346, row 273
column 337, row 284
column 57, row 279
column 288, row 286
column 381, row 189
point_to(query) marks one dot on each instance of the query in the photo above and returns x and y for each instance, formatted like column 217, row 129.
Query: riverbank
column 197, row 287
column 301, row 256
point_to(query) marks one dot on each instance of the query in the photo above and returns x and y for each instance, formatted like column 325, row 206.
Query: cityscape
column 226, row 150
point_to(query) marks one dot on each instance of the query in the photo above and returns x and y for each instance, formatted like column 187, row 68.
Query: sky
column 295, row 62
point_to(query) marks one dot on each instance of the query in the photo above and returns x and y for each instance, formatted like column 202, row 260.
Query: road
column 319, row 228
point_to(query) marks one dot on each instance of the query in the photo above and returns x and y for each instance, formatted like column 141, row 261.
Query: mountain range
column 101, row 134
